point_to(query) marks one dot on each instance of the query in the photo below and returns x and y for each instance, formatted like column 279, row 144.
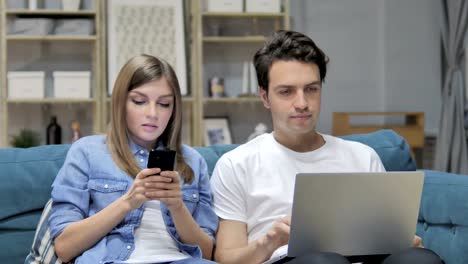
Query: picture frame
column 161, row 35
column 216, row 131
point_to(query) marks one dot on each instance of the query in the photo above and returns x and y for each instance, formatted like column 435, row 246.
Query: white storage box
column 72, row 84
column 31, row 26
column 25, row 84
column 263, row 6
column 231, row 6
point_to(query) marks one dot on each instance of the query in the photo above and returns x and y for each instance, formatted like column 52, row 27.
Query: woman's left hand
column 166, row 188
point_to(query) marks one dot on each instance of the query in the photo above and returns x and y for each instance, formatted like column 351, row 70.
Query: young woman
column 108, row 207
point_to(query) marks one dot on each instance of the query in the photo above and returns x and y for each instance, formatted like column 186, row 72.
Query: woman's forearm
column 80, row 236
column 190, row 232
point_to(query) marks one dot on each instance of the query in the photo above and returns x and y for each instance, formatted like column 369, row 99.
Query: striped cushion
column 42, row 250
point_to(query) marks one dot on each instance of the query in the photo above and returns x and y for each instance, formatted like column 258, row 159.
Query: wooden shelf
column 50, row 38
column 412, row 130
column 379, row 113
column 51, row 101
column 232, row 100
column 16, row 111
column 45, row 12
column 243, row 14
column 187, row 99
column 253, row 39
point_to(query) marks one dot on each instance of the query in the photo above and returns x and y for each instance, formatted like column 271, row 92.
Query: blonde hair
column 137, row 71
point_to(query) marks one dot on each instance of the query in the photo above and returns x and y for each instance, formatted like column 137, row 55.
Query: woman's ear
column 264, row 97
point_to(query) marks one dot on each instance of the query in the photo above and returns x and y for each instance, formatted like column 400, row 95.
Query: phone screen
column 163, row 159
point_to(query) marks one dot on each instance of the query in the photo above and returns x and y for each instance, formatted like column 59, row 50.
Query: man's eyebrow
column 292, row 86
column 314, row 83
column 283, row 86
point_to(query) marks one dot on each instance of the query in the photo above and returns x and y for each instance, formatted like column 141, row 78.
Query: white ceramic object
column 70, row 5
column 32, row 4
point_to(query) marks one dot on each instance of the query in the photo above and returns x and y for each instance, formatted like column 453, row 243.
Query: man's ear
column 264, row 97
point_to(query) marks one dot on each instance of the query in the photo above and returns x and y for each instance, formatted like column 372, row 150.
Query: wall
column 384, row 55
column 412, row 58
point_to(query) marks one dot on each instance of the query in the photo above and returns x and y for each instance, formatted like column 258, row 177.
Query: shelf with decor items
column 409, row 125
column 51, row 65
column 223, row 81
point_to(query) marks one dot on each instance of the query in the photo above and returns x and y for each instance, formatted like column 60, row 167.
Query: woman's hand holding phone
column 136, row 195
column 154, row 184
column 166, row 188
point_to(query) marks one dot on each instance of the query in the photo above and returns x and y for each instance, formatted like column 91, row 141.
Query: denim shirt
column 89, row 181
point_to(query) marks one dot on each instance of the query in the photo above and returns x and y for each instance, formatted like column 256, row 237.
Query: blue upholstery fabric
column 393, row 150
column 26, row 177
column 213, row 153
column 443, row 215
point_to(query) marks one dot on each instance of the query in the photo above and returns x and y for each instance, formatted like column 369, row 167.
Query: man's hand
column 417, row 242
column 278, row 235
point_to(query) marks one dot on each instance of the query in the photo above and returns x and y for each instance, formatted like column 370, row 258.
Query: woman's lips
column 149, row 127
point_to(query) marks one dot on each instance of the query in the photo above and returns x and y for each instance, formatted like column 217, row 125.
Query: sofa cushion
column 42, row 250
column 392, row 149
column 443, row 221
column 26, row 177
column 211, row 154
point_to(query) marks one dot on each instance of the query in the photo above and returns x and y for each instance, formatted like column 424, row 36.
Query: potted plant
column 26, row 139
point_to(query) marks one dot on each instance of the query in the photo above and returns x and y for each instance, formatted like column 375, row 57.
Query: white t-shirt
column 153, row 243
column 254, row 183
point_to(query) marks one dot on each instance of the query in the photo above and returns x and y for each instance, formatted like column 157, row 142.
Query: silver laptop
column 353, row 213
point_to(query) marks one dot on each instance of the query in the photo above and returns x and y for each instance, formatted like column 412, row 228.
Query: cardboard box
column 230, row 6
column 263, row 6
column 72, row 84
column 26, row 84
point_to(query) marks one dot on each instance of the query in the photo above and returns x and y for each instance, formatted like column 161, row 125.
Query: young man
column 253, row 184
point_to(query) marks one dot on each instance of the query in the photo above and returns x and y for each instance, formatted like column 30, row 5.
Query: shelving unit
column 26, row 110
column 234, row 33
column 50, row 38
column 205, row 50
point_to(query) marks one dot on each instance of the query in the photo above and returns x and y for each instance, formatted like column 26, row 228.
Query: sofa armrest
column 443, row 215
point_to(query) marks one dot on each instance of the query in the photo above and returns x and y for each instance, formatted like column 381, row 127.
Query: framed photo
column 153, row 27
column 216, row 131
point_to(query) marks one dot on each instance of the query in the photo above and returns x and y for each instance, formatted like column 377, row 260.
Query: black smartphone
column 163, row 159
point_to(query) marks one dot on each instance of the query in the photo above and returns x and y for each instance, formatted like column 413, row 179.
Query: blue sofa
column 27, row 175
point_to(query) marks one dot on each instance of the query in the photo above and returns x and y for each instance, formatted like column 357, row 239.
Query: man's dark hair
column 288, row 46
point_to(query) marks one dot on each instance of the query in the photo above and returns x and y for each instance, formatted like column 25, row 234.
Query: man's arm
column 233, row 247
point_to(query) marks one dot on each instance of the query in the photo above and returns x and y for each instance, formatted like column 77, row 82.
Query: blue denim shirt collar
column 135, row 148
